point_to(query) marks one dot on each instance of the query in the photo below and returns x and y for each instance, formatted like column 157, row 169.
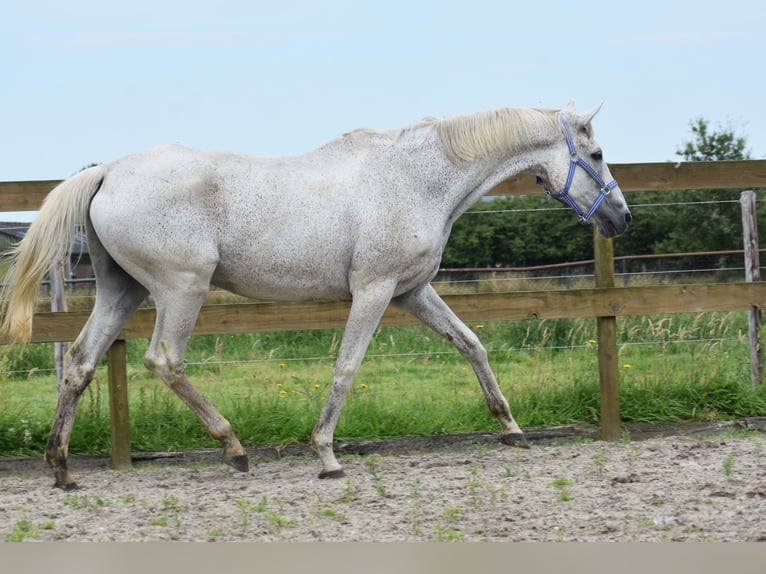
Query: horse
column 363, row 218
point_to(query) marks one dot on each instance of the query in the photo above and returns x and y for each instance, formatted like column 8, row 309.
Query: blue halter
column 576, row 160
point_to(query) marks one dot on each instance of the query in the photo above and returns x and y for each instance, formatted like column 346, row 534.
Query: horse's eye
column 597, row 155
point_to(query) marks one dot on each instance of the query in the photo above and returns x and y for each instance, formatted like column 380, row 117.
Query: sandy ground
column 675, row 488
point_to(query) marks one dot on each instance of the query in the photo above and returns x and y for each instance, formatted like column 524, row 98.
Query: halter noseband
column 564, row 193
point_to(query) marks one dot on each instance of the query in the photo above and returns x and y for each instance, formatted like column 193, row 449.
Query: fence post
column 606, row 334
column 752, row 274
column 118, row 404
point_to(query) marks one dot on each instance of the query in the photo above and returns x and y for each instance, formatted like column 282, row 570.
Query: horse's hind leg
column 117, row 298
column 176, row 315
column 427, row 306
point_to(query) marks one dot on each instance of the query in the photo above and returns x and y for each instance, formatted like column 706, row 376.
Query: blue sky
column 87, row 81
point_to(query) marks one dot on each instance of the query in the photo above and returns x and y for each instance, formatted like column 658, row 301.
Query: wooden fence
column 605, row 302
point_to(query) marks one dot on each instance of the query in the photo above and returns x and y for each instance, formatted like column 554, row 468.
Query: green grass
column 271, row 386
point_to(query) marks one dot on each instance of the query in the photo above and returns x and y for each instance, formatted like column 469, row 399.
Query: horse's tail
column 48, row 241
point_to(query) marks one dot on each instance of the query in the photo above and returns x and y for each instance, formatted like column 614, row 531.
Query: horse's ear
column 588, row 116
column 570, row 107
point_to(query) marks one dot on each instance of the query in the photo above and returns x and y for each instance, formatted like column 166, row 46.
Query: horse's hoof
column 239, row 462
column 516, row 439
column 332, row 474
column 66, row 486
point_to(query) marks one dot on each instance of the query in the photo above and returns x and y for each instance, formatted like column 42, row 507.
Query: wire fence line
column 413, row 354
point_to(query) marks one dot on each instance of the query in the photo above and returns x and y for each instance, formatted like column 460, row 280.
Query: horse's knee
column 163, row 367
column 153, row 362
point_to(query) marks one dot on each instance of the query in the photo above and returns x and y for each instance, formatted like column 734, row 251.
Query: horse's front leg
column 367, row 308
column 427, row 306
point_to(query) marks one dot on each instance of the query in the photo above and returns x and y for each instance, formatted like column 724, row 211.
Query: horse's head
column 577, row 175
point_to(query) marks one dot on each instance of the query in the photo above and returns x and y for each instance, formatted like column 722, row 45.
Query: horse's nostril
column 628, row 217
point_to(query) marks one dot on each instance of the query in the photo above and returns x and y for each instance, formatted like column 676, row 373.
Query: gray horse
column 363, row 218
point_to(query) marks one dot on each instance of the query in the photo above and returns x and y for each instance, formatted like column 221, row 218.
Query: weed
column 474, row 483
column 447, row 534
column 416, row 521
column 633, row 452
column 278, row 520
column 351, row 492
column 728, row 465
column 372, row 464
column 643, row 521
column 600, row 459
column 331, row 513
column 172, row 506
column 562, row 493
column 452, row 513
column 22, row 530
column 246, row 508
column 80, row 501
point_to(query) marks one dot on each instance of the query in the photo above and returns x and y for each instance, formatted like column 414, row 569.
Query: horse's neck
column 466, row 185
column 482, row 150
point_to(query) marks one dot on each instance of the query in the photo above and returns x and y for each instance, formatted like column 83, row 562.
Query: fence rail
column 605, row 302
column 521, row 305
column 28, row 195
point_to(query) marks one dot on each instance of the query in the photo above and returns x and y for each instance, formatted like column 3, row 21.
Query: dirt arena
column 673, row 488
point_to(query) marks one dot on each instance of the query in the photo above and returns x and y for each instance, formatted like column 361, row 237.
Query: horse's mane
column 467, row 138
column 470, row 137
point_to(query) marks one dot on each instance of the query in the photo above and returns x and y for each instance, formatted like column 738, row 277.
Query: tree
column 667, row 226
column 713, row 146
column 517, row 231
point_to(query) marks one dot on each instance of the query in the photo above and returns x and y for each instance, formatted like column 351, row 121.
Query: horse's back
column 263, row 227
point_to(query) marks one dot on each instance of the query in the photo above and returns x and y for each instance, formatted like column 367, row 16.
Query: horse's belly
column 281, row 284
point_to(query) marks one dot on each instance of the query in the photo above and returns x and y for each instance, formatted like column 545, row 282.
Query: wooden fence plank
column 733, row 174
column 24, row 195
column 663, row 176
column 570, row 303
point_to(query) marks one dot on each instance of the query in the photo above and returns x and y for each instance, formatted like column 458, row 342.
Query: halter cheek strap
column 575, row 160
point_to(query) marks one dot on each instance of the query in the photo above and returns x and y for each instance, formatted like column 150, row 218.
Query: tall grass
column 271, row 386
